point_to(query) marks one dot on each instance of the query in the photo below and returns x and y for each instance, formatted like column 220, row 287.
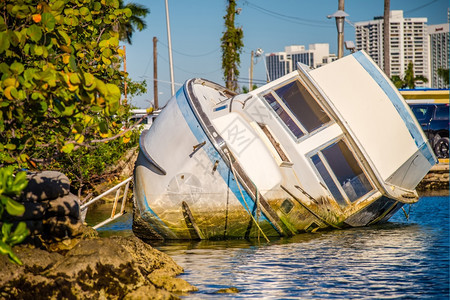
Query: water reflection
column 395, row 260
column 400, row 259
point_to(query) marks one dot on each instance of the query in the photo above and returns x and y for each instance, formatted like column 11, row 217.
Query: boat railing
column 122, row 186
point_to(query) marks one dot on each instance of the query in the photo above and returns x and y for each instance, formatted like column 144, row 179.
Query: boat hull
column 215, row 165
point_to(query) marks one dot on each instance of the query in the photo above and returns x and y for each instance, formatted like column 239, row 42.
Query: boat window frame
column 280, row 154
column 297, row 122
column 318, row 151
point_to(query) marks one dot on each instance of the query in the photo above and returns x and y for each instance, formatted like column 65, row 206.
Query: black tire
column 441, row 148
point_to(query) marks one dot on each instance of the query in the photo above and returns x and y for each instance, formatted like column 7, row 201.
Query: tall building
column 408, row 43
column 438, row 36
column 282, row 63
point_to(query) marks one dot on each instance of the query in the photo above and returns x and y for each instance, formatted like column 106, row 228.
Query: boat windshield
column 297, row 108
column 303, row 105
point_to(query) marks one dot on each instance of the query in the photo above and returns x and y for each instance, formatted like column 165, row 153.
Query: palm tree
column 231, row 47
column 443, row 73
column 136, row 21
column 409, row 80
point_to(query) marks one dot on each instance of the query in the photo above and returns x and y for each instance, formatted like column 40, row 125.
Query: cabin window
column 301, row 103
column 328, row 180
column 341, row 173
column 284, row 116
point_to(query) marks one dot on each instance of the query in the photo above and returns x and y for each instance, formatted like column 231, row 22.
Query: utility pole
column 340, row 15
column 169, row 40
column 340, row 26
column 251, row 73
column 386, row 39
column 155, row 73
column 125, row 86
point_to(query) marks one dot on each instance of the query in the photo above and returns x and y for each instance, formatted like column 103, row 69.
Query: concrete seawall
column 437, row 178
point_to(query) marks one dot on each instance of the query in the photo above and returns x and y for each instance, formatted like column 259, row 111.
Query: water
column 406, row 259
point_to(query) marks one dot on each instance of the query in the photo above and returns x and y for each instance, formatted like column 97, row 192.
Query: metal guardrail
column 118, row 190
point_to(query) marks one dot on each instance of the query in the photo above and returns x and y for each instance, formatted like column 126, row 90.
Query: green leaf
column 28, row 74
column 19, row 234
column 14, row 93
column 20, row 182
column 64, row 36
column 4, row 41
column 89, row 79
column 38, row 50
column 17, row 67
column 34, row 32
column 48, row 21
column 84, row 11
column 73, row 63
column 107, row 53
column 113, row 92
column 103, row 127
column 71, row 21
column 67, row 148
column 101, row 87
column 58, row 6
column 4, row 68
column 44, row 106
column 10, row 146
column 114, row 41
column 6, row 231
column 14, row 208
column 2, row 24
column 128, row 12
column 103, row 43
column 74, row 78
column 97, row 6
column 6, row 249
column 68, row 110
column 13, row 37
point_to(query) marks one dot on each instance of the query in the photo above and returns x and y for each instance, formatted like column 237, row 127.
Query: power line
column 159, row 80
column 420, row 7
column 292, row 19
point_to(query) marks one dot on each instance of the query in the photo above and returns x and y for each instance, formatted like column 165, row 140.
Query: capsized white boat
column 327, row 148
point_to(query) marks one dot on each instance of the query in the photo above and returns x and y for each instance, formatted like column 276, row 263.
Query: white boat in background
column 327, row 148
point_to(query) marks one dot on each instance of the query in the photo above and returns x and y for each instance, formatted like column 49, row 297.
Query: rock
column 45, row 185
column 108, row 268
column 172, row 284
column 33, row 211
column 68, row 205
column 230, row 290
column 61, row 227
column 34, row 261
column 148, row 292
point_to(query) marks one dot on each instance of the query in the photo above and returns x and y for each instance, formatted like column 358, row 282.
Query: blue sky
column 197, row 26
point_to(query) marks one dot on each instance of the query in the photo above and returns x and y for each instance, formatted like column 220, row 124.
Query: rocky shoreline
column 65, row 259
column 108, row 268
column 436, row 179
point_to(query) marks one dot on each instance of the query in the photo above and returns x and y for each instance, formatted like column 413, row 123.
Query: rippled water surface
column 406, row 259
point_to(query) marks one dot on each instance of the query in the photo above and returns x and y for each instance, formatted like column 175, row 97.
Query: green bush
column 11, row 185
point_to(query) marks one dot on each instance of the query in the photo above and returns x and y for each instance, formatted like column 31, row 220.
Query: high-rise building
column 438, row 36
column 408, row 43
column 282, row 63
